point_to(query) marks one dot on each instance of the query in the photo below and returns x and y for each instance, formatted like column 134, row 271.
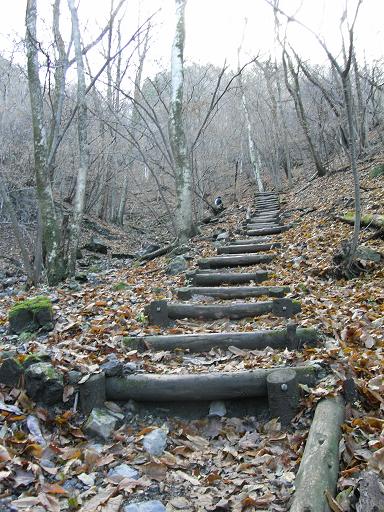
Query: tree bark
column 54, row 264
column 319, row 466
column 183, row 175
column 81, row 182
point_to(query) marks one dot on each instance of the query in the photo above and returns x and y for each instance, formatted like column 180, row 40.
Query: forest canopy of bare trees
column 79, row 137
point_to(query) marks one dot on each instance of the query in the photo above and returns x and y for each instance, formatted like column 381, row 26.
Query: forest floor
column 210, row 463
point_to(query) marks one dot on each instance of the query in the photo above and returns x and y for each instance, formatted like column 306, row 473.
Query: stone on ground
column 31, row 315
column 177, row 265
column 123, row 471
column 10, row 372
column 100, row 423
column 44, row 383
column 155, row 442
column 92, row 392
column 145, row 506
column 96, row 245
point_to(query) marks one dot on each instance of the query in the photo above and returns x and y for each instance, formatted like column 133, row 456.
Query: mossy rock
column 31, row 315
column 377, row 171
column 44, row 383
column 130, row 342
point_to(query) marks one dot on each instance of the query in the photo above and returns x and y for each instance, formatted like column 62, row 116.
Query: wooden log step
column 292, row 339
column 234, row 261
column 246, row 241
column 247, row 248
column 203, row 278
column 232, row 292
column 262, row 225
column 319, row 467
column 160, row 312
column 267, row 231
column 262, row 218
column 267, row 202
column 198, row 386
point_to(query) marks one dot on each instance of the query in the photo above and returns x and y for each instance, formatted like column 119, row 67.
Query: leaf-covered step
column 161, row 312
column 198, row 386
column 247, row 248
column 235, row 261
column 291, row 338
column 212, row 278
column 232, row 292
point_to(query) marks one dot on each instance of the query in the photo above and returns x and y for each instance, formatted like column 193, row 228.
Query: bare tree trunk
column 296, row 95
column 16, row 230
column 133, row 121
column 78, row 210
column 50, row 227
column 184, row 222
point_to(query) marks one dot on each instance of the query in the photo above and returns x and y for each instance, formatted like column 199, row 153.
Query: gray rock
column 145, row 506
column 123, row 471
column 177, row 265
column 92, row 393
column 44, row 383
column 96, row 245
column 36, row 357
column 74, row 376
column 100, row 424
column 368, row 254
column 130, row 367
column 155, row 442
column 223, row 236
column 10, row 372
column 112, row 367
column 217, row 408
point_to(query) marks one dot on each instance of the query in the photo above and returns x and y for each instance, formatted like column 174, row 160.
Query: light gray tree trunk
column 183, row 175
column 79, row 203
column 133, row 122
column 50, row 227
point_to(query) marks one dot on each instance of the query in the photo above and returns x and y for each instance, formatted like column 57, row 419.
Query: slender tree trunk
column 183, row 175
column 78, row 209
column 296, row 95
column 50, row 227
column 347, row 89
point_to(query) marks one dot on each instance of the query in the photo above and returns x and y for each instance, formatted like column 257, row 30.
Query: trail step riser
column 235, row 261
column 247, row 248
column 232, row 292
column 215, row 278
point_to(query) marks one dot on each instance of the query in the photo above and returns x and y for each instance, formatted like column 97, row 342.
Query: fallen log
column 234, row 261
column 215, row 278
column 267, row 231
column 159, row 252
column 291, row 339
column 367, row 220
column 319, row 467
column 160, row 312
column 197, row 386
column 247, row 248
column 232, row 292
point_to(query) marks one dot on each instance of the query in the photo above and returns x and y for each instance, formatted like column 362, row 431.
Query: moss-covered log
column 367, row 220
column 319, row 466
column 256, row 340
column 198, row 386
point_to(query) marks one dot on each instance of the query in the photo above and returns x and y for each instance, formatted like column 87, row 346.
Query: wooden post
column 283, row 394
column 157, row 312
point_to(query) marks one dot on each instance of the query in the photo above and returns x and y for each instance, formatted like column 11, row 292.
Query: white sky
column 215, row 27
